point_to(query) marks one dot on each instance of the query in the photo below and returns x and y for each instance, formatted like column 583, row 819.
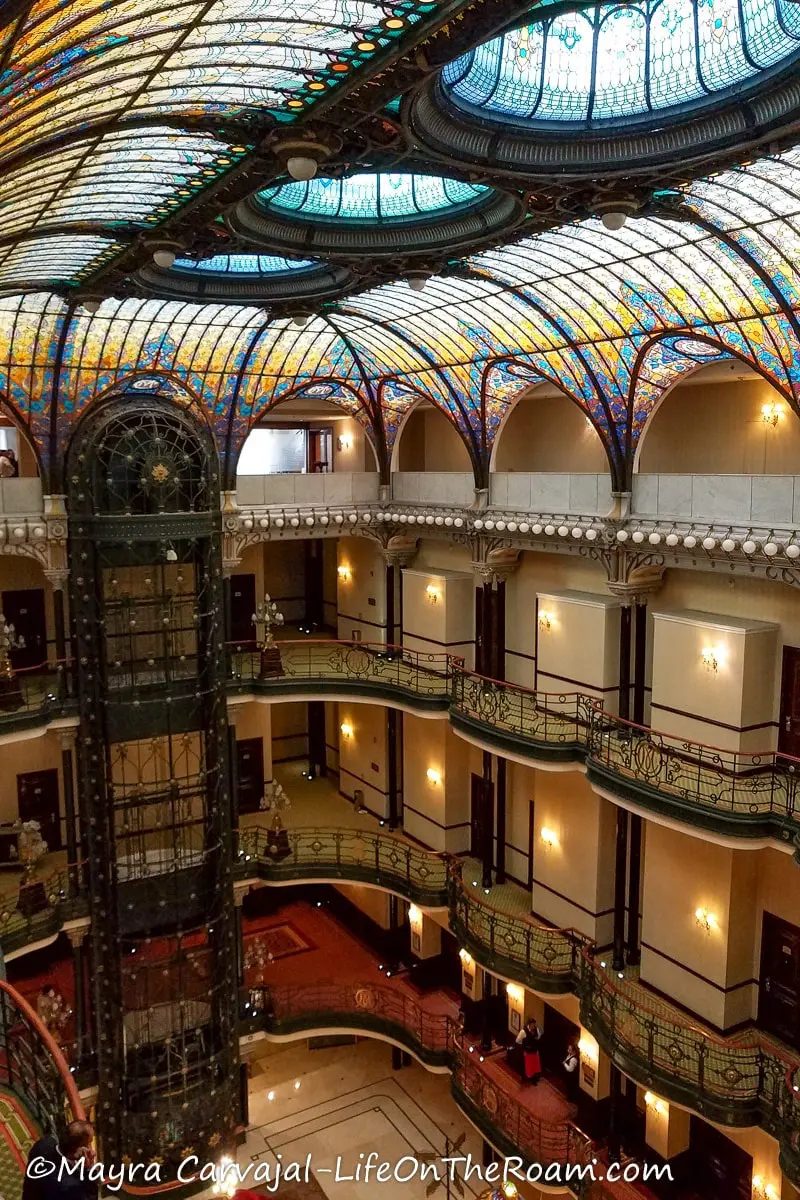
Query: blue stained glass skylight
column 618, row 61
column 244, row 264
column 369, row 197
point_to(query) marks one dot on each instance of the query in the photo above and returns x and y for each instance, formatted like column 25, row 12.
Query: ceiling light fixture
column 164, row 258
column 417, row 282
column 302, row 167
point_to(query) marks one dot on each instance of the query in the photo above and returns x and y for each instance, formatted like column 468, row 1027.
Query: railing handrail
column 51, row 1045
column 285, row 643
column 517, row 687
column 456, row 868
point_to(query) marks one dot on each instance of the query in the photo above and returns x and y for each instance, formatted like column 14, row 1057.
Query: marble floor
column 350, row 1102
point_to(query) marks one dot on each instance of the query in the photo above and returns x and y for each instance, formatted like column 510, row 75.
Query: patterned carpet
column 17, row 1135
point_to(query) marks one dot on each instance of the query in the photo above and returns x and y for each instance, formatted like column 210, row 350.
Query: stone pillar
column 666, row 1127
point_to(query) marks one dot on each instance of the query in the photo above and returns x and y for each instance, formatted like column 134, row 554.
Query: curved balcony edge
column 556, row 983
column 504, row 740
column 275, row 873
column 373, row 690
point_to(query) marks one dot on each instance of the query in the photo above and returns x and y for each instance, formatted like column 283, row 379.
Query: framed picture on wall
column 416, row 942
column 514, row 1020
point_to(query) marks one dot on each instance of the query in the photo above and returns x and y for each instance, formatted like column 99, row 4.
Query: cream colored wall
column 18, row 572
column 520, row 786
column 361, row 598
column 535, row 573
column 19, row 757
column 360, row 753
column 731, row 707
column 436, row 814
column 370, row 900
column 744, row 598
column 255, row 721
column 289, row 731
column 279, row 568
column 429, row 441
column 579, row 652
column 548, row 433
column 444, row 625
column 699, row 969
column 573, row 880
column 359, row 456
column 727, row 433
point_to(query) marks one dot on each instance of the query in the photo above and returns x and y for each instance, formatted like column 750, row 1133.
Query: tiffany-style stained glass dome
column 375, row 213
column 625, row 61
column 246, row 277
column 243, row 264
column 372, row 197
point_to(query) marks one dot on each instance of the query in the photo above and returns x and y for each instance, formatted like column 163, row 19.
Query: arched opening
column 17, row 450
column 724, row 419
column 546, row 431
column 306, row 435
column 429, row 441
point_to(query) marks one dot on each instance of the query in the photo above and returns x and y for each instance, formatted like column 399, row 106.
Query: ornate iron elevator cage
column 154, row 777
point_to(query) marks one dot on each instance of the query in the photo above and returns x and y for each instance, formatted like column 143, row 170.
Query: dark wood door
column 779, row 993
column 721, row 1170
column 26, row 612
column 37, row 798
column 789, row 731
column 477, row 816
column 243, row 605
column 250, row 773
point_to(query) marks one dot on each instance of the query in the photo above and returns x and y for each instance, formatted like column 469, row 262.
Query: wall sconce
column 414, row 915
column 588, row 1049
column 433, row 593
column 515, row 992
column 346, row 729
column 465, row 957
column 653, row 1102
column 771, row 414
column 706, row 920
column 762, row 1190
column 434, row 776
column 549, row 837
column 343, row 572
column 545, row 620
column 345, row 442
column 713, row 658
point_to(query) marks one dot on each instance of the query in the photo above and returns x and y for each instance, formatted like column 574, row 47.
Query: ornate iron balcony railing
column 36, row 908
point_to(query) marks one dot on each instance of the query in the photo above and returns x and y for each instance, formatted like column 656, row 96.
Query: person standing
column 572, row 1073
column 528, row 1039
column 74, row 1145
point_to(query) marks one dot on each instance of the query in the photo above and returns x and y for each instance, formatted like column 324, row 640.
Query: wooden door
column 250, row 774
column 477, row 812
column 25, row 610
column 779, row 993
column 37, row 798
column 720, row 1170
column 789, row 730
column 243, row 605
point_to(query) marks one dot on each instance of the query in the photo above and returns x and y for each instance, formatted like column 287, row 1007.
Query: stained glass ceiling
column 630, row 60
column 371, row 197
column 244, row 264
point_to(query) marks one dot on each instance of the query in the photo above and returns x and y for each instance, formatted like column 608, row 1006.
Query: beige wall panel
column 370, row 900
column 729, row 435
column 361, row 596
column 435, row 813
column 361, row 752
column 255, row 721
column 32, row 754
column 289, row 731
column 548, row 433
column 579, row 652
column 442, row 621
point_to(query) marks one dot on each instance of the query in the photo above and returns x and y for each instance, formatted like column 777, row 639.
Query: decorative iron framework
column 147, row 597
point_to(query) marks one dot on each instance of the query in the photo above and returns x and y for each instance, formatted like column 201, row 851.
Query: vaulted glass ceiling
column 243, row 264
column 372, row 197
column 625, row 60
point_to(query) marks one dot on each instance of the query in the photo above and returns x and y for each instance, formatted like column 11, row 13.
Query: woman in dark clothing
column 528, row 1038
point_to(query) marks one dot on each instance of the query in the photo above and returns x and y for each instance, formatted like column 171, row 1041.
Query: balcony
column 35, row 909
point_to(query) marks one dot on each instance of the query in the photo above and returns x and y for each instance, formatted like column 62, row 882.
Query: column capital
column 76, row 931
column 497, row 566
column 640, row 583
column 240, row 890
column 68, row 738
column 57, row 577
column 399, row 550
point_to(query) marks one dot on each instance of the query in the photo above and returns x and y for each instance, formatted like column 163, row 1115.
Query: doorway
column 779, row 991
column 25, row 610
column 720, row 1170
column 243, row 605
column 249, row 774
column 37, row 799
column 789, row 727
column 481, row 797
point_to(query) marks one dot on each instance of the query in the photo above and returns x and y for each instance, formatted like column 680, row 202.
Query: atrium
column 399, row 648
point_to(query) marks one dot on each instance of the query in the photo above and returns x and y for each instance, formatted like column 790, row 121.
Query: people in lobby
column 528, row 1039
column 76, row 1143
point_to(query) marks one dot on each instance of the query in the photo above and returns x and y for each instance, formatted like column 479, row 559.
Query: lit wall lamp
column 588, row 1049
column 343, row 571
column 515, row 992
column 545, row 620
column 706, row 920
column 549, row 837
column 712, row 658
column 465, row 957
column 433, row 593
column 346, row 729
column 762, row 1190
column 771, row 414
column 434, row 776
column 414, row 915
column 653, row 1102
column 345, row 442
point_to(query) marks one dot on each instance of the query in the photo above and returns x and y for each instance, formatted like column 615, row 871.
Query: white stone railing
column 339, row 487
column 433, row 487
column 759, row 500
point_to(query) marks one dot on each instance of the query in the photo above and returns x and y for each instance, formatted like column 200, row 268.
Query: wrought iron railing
column 743, row 785
column 742, row 1078
column 369, row 856
column 33, row 695
column 378, row 666
column 516, row 947
column 37, row 907
column 33, row 1067
column 437, row 1039
column 547, row 719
